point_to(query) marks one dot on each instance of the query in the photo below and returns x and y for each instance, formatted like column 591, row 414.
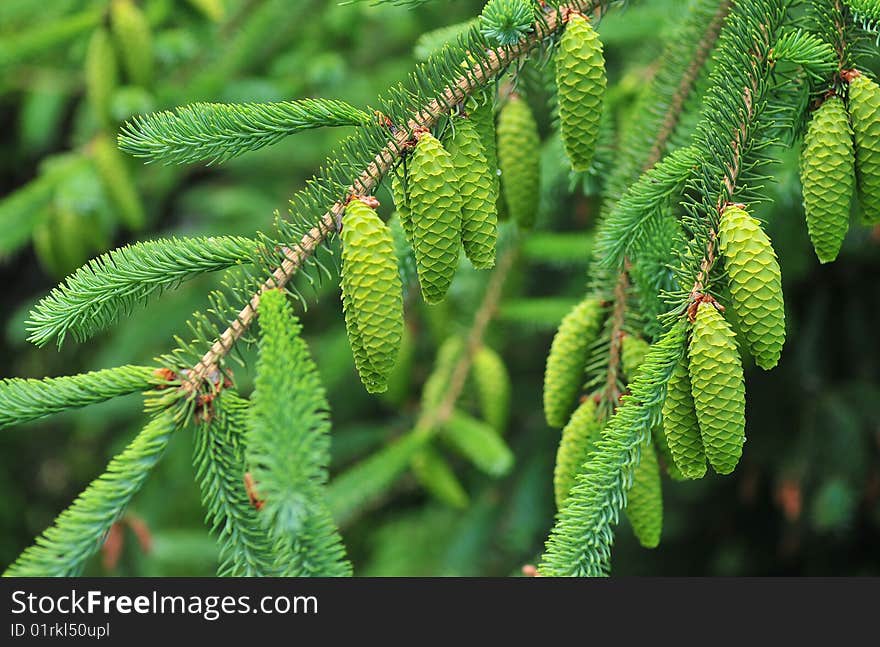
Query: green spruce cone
column 481, row 111
column 864, row 110
column 401, row 203
column 644, row 502
column 101, row 75
column 632, row 353
column 371, row 294
column 118, row 182
column 479, row 219
column 717, row 386
column 580, row 82
column 564, row 374
column 519, row 158
column 680, row 425
column 493, row 387
column 755, row 284
column 828, row 177
column 435, row 211
column 579, row 438
column 134, row 40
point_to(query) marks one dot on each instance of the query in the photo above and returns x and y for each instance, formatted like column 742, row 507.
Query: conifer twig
column 671, row 119
column 467, row 83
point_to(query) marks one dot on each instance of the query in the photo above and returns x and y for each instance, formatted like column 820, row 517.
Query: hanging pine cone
column 134, row 40
column 579, row 438
column 476, row 185
column 828, row 177
column 680, row 426
column 435, row 211
column 644, row 504
column 401, row 203
column 580, row 83
column 371, row 294
column 564, row 374
column 717, row 386
column 493, row 387
column 518, row 155
column 481, row 112
column 864, row 110
column 755, row 284
column 117, row 181
column 101, row 75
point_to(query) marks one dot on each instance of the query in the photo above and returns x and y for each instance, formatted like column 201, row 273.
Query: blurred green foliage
column 806, row 499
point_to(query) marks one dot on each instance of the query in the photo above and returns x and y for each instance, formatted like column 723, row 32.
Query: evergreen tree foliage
column 455, row 216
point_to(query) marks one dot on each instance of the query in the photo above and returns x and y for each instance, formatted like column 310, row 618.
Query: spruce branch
column 110, row 286
column 668, row 125
column 744, row 119
column 217, row 132
column 288, row 447
column 686, row 83
column 473, row 79
column 611, row 392
column 23, row 400
column 580, row 542
column 62, row 550
column 219, row 458
column 866, row 13
column 816, row 56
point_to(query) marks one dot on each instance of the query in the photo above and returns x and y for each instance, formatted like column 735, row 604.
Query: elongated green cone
column 717, row 386
column 564, row 374
column 864, row 110
column 481, row 112
column 401, row 203
column 493, row 387
column 479, row 219
column 644, row 503
column 435, row 210
column 134, row 40
column 118, row 182
column 828, row 177
column 101, row 75
column 579, row 438
column 755, row 284
column 682, row 431
column 519, row 158
column 580, row 81
column 371, row 294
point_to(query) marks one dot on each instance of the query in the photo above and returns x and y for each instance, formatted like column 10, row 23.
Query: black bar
column 563, row 611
